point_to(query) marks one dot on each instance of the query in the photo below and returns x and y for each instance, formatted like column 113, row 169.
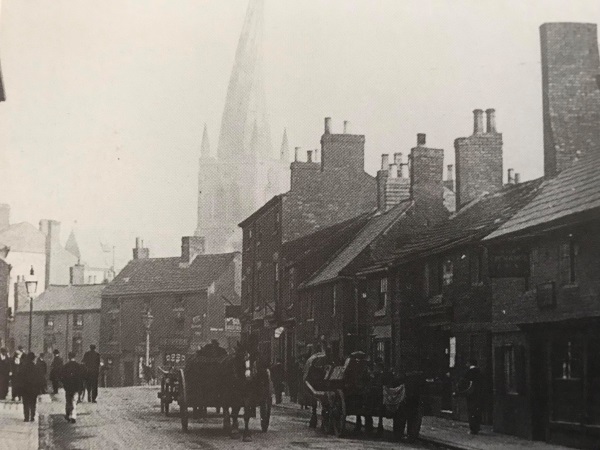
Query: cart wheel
column 265, row 414
column 183, row 407
column 338, row 414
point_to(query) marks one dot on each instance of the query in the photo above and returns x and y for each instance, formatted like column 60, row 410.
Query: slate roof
column 330, row 238
column 376, row 225
column 472, row 223
column 66, row 298
column 574, row 190
column 155, row 275
column 23, row 237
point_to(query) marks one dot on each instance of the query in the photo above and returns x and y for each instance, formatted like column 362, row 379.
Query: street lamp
column 31, row 286
column 147, row 318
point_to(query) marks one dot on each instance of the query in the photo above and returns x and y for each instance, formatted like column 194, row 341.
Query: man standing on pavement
column 470, row 386
column 72, row 377
column 43, row 370
column 29, row 382
column 4, row 373
column 56, row 371
column 16, row 364
column 91, row 361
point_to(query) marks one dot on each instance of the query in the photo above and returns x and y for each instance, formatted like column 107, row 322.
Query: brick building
column 65, row 318
column 546, row 312
column 322, row 193
column 193, row 299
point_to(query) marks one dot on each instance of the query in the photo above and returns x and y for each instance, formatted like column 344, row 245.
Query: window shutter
column 521, row 368
column 499, row 369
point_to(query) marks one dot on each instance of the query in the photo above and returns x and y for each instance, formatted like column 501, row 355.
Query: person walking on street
column 277, row 377
column 471, row 387
column 43, row 370
column 4, row 373
column 29, row 381
column 56, row 371
column 91, row 361
column 72, row 377
column 16, row 364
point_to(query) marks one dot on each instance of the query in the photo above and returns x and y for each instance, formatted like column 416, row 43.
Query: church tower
column 246, row 171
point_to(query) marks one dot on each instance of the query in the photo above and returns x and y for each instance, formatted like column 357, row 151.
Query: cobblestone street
column 130, row 418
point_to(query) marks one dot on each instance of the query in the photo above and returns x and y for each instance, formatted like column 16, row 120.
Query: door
column 128, row 373
column 539, row 389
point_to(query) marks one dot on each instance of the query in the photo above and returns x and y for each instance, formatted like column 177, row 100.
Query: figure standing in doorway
column 471, row 387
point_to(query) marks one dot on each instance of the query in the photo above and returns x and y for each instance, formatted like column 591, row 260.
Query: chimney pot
column 385, row 161
column 316, row 153
column 421, row 139
column 511, row 177
column 398, row 159
column 296, row 153
column 327, row 125
column 491, row 120
column 450, row 172
column 346, row 126
column 393, row 171
column 309, row 156
column 477, row 121
column 517, row 178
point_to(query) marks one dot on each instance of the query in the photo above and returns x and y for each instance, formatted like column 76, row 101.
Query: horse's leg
column 247, row 437
column 226, row 419
column 358, row 424
column 235, row 410
column 380, row 424
column 313, row 418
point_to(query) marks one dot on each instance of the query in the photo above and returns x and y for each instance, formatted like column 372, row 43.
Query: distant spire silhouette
column 284, row 153
column 245, row 105
column 205, row 147
column 72, row 247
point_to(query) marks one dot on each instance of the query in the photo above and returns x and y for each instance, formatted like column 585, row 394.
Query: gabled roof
column 264, row 208
column 376, row 225
column 327, row 239
column 575, row 190
column 66, row 298
column 23, row 237
column 156, row 275
column 471, row 223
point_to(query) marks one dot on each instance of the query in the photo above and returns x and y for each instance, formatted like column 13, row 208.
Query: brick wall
column 571, row 94
column 478, row 161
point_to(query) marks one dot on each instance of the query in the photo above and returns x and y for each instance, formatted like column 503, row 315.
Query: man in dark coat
column 4, row 373
column 471, row 387
column 16, row 364
column 29, row 383
column 277, row 377
column 56, row 371
column 73, row 378
column 42, row 368
column 91, row 361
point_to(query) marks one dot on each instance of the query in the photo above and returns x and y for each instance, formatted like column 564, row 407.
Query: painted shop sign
column 508, row 262
column 233, row 324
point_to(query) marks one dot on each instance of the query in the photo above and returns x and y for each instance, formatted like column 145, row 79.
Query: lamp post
column 147, row 318
column 31, row 287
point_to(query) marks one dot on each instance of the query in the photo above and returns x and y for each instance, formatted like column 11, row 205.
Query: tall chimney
column 426, row 175
column 393, row 171
column 421, row 139
column 517, row 178
column 316, row 153
column 346, row 126
column 296, row 153
column 309, row 156
column 398, row 159
column 477, row 121
column 77, row 274
column 140, row 252
column 450, row 172
column 491, row 120
column 385, row 161
column 191, row 246
column 327, row 125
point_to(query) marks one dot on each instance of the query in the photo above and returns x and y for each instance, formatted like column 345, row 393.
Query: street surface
column 130, row 418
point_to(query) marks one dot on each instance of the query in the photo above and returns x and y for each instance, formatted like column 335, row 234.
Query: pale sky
column 106, row 100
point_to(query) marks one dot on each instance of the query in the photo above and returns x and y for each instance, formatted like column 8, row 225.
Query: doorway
column 539, row 390
column 128, row 373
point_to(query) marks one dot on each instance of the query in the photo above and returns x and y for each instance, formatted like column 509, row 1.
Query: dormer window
column 448, row 272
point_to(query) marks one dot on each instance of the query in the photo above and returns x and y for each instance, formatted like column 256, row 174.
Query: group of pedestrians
column 27, row 374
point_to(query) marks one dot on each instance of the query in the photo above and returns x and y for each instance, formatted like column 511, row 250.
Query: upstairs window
column 383, row 295
column 78, row 320
column 448, row 272
column 49, row 321
column 567, row 260
column 432, row 279
column 476, row 266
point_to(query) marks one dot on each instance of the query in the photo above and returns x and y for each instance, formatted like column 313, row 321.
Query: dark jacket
column 91, row 361
column 72, row 376
column 471, row 384
column 42, row 367
column 5, row 366
column 29, row 380
column 56, row 368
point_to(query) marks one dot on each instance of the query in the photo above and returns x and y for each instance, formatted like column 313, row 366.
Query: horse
column 246, row 384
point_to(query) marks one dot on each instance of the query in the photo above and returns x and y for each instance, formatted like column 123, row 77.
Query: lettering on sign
column 197, row 322
column 508, row 262
column 233, row 324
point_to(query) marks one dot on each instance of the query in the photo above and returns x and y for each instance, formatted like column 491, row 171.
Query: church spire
column 205, row 147
column 245, row 104
column 72, row 247
column 284, row 154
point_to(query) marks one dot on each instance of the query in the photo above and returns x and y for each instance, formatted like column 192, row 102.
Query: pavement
column 452, row 434
column 14, row 432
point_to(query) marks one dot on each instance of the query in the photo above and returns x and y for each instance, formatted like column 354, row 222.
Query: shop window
column 382, row 298
column 112, row 327
column 510, row 373
column 567, row 382
column 567, row 254
column 382, row 351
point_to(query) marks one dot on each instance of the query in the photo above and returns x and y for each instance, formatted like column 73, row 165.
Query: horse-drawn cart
column 352, row 389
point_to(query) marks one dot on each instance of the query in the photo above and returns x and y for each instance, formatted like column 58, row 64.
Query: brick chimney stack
column 77, row 274
column 140, row 252
column 191, row 246
column 478, row 160
column 345, row 152
column 426, row 175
